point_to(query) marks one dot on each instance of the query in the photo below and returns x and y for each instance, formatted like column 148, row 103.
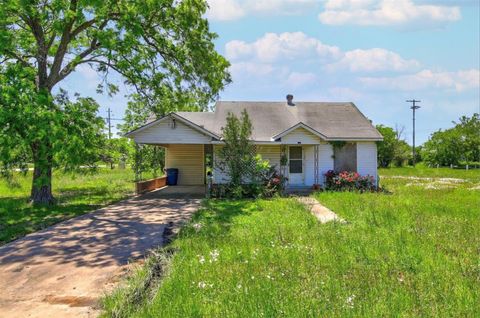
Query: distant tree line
column 459, row 145
column 454, row 146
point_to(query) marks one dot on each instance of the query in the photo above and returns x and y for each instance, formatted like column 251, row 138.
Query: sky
column 375, row 53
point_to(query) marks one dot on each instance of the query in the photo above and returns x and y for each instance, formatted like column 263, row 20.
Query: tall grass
column 76, row 195
column 411, row 253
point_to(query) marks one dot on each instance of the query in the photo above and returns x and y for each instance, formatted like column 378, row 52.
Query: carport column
column 315, row 164
column 138, row 162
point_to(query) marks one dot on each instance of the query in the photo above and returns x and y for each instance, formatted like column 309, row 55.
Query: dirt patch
column 72, row 301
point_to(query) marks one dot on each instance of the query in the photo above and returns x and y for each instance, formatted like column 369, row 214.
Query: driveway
column 65, row 269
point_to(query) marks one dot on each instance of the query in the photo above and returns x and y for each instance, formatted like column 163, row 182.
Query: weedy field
column 76, row 195
column 410, row 252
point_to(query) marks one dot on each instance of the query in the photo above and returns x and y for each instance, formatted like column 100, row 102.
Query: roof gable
column 301, row 129
column 172, row 128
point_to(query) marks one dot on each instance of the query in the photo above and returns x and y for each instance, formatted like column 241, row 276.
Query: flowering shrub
column 349, row 181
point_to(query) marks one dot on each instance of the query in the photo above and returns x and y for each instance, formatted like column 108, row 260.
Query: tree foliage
column 71, row 129
column 237, row 156
column 455, row 145
column 162, row 48
column 393, row 149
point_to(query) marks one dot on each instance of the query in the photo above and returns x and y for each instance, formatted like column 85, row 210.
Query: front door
column 295, row 166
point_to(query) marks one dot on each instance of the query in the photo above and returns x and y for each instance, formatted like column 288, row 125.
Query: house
column 314, row 137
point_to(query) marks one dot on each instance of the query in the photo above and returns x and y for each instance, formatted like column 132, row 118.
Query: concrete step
column 299, row 190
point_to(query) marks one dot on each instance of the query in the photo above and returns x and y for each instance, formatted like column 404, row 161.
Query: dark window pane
column 295, row 166
column 295, row 152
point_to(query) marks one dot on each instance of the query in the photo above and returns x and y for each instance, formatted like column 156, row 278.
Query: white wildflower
column 239, row 286
column 201, row 259
column 197, row 226
column 349, row 301
column 202, row 285
column 214, row 255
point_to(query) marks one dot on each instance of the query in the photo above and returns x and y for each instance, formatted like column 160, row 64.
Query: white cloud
column 387, row 12
column 296, row 79
column 274, row 47
column 373, row 60
column 251, row 69
column 427, row 79
column 297, row 46
column 225, row 10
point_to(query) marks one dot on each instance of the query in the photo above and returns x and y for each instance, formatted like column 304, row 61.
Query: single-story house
column 314, row 137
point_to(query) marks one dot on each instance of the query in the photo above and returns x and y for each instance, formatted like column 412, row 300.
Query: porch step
column 299, row 190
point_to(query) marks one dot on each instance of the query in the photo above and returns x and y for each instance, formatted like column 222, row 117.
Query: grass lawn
column 414, row 252
column 76, row 194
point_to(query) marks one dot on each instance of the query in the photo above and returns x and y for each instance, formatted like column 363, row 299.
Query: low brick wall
column 150, row 185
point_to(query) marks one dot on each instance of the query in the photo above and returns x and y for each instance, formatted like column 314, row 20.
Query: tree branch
column 19, row 58
column 62, row 47
column 82, row 27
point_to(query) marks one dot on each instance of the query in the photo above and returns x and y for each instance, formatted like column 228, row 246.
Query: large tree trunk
column 42, row 175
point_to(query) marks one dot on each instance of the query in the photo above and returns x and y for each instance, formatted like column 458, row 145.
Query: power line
column 413, row 108
column 109, row 120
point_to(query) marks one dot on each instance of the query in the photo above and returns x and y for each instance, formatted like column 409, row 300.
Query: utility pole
column 413, row 108
column 109, row 120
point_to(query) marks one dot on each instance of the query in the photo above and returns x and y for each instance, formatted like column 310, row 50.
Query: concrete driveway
column 63, row 270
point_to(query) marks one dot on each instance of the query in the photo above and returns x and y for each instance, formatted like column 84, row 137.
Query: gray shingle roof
column 334, row 120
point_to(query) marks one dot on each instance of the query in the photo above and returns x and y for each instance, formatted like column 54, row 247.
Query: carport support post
column 138, row 162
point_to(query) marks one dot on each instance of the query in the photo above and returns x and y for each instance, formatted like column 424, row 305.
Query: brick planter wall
column 150, row 185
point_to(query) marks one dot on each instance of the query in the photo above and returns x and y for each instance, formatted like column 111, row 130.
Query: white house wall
column 163, row 133
column 309, row 165
column 271, row 153
column 300, row 136
column 367, row 158
column 325, row 160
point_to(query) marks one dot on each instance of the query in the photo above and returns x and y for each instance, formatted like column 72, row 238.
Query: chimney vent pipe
column 290, row 100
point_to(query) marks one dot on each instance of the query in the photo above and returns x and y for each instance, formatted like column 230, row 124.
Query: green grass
column 411, row 253
column 76, row 195
column 421, row 171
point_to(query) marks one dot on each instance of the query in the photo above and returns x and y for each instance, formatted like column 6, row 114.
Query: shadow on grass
column 217, row 216
column 18, row 217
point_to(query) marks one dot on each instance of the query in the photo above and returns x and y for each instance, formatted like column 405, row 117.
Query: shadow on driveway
column 82, row 257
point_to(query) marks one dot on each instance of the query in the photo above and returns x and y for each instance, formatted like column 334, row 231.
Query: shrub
column 265, row 183
column 349, row 181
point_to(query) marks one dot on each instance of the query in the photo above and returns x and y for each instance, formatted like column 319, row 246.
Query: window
column 296, row 160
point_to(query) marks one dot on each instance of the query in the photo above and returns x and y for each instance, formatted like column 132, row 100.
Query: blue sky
column 375, row 53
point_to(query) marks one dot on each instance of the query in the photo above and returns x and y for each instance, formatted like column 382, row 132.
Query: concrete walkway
column 321, row 212
column 63, row 270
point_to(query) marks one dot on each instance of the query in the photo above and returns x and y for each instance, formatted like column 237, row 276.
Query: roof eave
column 299, row 125
column 178, row 117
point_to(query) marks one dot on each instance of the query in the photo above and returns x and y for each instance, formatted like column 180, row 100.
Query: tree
column 386, row 148
column 71, row 130
column 451, row 146
column 393, row 149
column 237, row 156
column 162, row 48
